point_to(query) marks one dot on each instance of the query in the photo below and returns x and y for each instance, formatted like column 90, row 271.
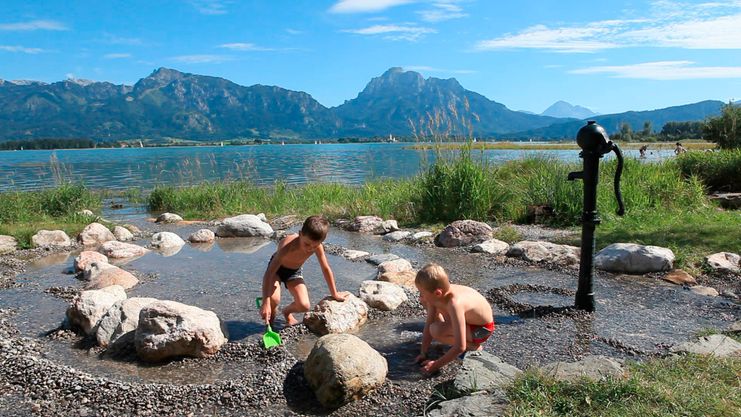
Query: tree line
column 55, row 143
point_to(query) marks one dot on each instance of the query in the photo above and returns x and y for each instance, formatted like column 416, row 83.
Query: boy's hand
column 341, row 296
column 265, row 312
column 429, row 367
column 420, row 358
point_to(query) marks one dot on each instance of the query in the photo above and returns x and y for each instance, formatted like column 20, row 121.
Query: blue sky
column 609, row 56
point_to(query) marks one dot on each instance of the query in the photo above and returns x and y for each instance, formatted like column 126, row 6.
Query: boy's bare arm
column 328, row 275
column 458, row 321
column 426, row 335
column 268, row 286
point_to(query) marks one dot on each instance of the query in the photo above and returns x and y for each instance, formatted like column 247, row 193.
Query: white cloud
column 442, row 10
column 438, row 70
column 365, row 6
column 21, row 49
column 120, row 40
column 202, row 59
column 394, row 32
column 243, row 46
column 117, row 56
column 33, row 25
column 663, row 70
column 294, row 31
column 210, row 7
column 668, row 24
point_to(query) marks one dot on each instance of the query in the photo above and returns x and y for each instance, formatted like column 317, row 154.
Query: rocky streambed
column 47, row 371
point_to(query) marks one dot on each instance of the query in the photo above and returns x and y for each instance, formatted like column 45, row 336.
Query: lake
column 145, row 168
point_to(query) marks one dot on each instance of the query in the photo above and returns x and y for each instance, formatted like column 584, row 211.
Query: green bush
column 718, row 171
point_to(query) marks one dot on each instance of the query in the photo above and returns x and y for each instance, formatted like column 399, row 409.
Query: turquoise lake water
column 264, row 164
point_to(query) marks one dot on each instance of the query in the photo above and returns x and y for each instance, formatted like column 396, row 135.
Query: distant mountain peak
column 165, row 74
column 79, row 81
column 567, row 110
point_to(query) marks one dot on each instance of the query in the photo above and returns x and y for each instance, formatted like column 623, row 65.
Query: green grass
column 680, row 386
column 22, row 214
column 718, row 171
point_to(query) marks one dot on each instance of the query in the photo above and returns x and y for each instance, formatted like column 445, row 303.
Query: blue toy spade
column 270, row 338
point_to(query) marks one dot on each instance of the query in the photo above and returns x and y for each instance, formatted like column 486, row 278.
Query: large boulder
column 202, row 236
column 715, row 345
column 50, row 239
column 168, row 218
column 95, row 234
column 123, row 234
column 545, row 252
column 594, row 367
column 118, row 250
column 88, row 307
column 244, row 225
column 342, row 368
column 403, row 278
column 483, row 371
column 492, row 247
column 724, row 262
column 101, row 275
column 631, row 258
column 170, row 329
column 7, row 244
column 85, row 259
column 463, row 233
column 121, row 318
column 382, row 295
column 364, row 224
column 330, row 316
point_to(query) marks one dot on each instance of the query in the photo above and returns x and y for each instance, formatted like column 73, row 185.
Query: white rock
column 382, row 295
column 50, row 239
column 724, row 262
column 421, row 236
column 95, row 234
column 365, row 224
column 202, row 236
column 101, row 275
column 632, row 258
column 7, row 244
column 545, row 252
column 168, row 218
column 492, row 247
column 330, row 316
column 715, row 345
column 397, row 265
column 121, row 318
column 463, row 233
column 88, row 307
column 166, row 240
column 701, row 290
column 170, row 329
column 403, row 278
column 123, row 234
column 594, row 367
column 397, row 236
column 245, row 225
column 387, row 226
column 262, row 217
column 353, row 254
column 86, row 212
column 114, row 249
column 342, row 368
column 88, row 257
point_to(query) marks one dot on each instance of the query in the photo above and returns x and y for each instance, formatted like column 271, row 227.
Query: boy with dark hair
column 456, row 315
column 286, row 266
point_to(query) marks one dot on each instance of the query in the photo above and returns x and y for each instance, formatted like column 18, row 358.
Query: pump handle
column 618, row 173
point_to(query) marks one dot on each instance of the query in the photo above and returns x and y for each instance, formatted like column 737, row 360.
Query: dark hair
column 315, row 228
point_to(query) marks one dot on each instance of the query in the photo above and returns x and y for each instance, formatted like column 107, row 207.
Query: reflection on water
column 292, row 164
column 246, row 245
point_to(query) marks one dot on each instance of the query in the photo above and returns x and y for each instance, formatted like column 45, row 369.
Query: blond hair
column 432, row 277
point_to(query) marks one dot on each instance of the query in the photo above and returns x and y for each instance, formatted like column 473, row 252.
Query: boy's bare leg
column 442, row 332
column 274, row 301
column 300, row 302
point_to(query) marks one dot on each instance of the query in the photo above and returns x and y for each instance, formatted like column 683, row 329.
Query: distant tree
column 625, row 133
column 725, row 130
column 647, row 129
column 673, row 131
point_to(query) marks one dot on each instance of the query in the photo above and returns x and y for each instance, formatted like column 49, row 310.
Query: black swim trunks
column 288, row 274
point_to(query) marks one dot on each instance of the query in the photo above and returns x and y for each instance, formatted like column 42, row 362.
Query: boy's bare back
column 476, row 309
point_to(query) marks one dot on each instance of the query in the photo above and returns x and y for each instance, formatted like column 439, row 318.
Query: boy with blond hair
column 286, row 266
column 457, row 315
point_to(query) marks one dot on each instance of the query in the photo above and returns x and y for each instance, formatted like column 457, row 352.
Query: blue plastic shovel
column 270, row 338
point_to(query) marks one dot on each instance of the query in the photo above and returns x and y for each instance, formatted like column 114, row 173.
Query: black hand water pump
column 593, row 141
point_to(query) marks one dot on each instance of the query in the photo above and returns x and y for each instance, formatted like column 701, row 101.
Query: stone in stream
column 244, row 225
column 7, row 244
column 87, row 308
column 397, row 236
column 95, row 234
column 168, row 218
column 101, row 275
column 545, row 252
column 121, row 318
column 330, row 316
column 122, row 234
column 716, row 345
column 396, row 265
column 284, row 222
column 170, row 329
column 403, row 278
column 50, row 239
column 483, row 371
column 166, row 240
column 463, row 233
column 382, row 295
column 381, row 258
column 87, row 258
column 352, row 255
column 118, row 250
column 420, row 236
column 632, row 258
column 594, row 367
column 724, row 262
column 342, row 368
column 202, row 236
column 492, row 247
column 364, row 224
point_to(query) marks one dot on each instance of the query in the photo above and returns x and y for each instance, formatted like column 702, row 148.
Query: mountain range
column 170, row 103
